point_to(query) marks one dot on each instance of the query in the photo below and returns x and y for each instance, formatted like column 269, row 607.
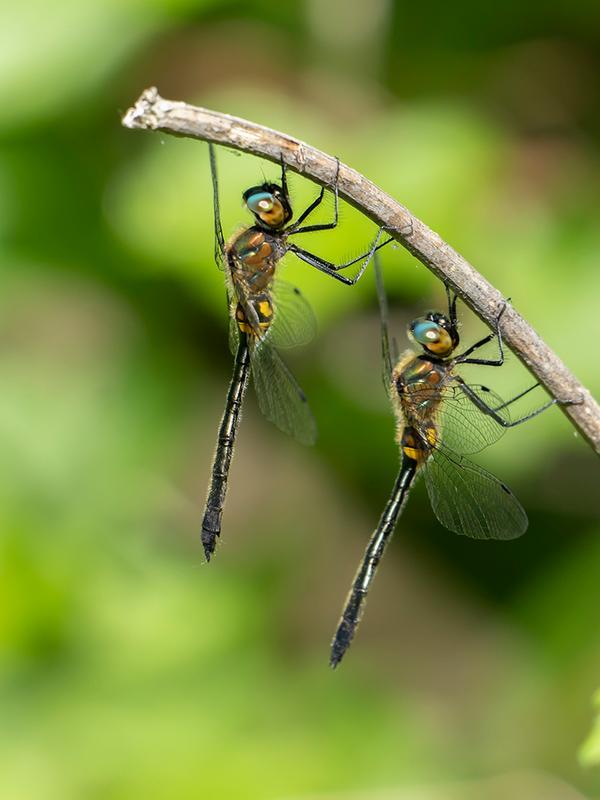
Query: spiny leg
column 516, row 397
column 451, row 306
column 497, row 333
column 295, row 228
column 308, row 210
column 333, row 269
column 493, row 412
column 283, row 179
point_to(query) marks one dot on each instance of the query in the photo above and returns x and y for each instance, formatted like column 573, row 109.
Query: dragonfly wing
column 280, row 398
column 241, row 301
column 294, row 321
column 219, row 238
column 386, row 351
column 464, row 428
column 470, row 501
column 234, row 335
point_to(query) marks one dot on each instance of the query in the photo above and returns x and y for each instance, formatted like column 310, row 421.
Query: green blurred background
column 128, row 667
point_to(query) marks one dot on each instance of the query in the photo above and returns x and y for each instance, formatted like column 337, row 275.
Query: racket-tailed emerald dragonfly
column 266, row 314
column 440, row 419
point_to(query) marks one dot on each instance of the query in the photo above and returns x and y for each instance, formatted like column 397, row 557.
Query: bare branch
column 152, row 112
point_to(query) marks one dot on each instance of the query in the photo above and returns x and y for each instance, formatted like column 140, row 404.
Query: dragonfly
column 440, row 419
column 266, row 314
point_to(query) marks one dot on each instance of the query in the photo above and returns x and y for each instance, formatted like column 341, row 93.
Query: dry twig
column 152, row 112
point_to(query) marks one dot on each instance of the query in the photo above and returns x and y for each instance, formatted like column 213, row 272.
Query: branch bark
column 152, row 112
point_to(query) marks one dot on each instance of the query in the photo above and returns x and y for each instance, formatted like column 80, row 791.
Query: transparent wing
column 234, row 335
column 383, row 316
column 294, row 322
column 219, row 238
column 234, row 331
column 464, row 428
column 280, row 398
column 237, row 296
column 470, row 501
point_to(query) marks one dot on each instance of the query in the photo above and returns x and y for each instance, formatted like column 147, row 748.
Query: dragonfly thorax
column 417, row 384
column 252, row 256
column 419, row 377
column 252, row 250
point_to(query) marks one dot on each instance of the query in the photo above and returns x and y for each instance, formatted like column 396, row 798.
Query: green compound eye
column 260, row 203
column 426, row 332
column 432, row 335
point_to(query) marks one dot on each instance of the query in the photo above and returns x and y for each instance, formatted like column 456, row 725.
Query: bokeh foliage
column 128, row 668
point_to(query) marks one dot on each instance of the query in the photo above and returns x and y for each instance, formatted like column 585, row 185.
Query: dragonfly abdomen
column 211, row 523
column 416, row 444
column 256, row 315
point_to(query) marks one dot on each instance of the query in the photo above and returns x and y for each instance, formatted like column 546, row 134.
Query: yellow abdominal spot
column 413, row 453
column 245, row 327
column 265, row 308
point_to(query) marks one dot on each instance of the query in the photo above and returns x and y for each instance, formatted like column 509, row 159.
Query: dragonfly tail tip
column 338, row 650
column 209, row 540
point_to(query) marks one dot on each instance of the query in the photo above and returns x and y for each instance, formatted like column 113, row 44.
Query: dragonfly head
column 435, row 333
column 269, row 204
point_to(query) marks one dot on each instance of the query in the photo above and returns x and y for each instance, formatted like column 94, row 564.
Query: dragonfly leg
column 283, row 179
column 493, row 412
column 333, row 269
column 516, row 397
column 463, row 358
column 295, row 228
column 451, row 306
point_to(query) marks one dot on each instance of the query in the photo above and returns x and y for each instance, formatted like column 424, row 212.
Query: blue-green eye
column 260, row 203
column 426, row 332
column 433, row 336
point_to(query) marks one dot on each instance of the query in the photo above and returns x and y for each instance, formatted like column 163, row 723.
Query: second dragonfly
column 440, row 418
